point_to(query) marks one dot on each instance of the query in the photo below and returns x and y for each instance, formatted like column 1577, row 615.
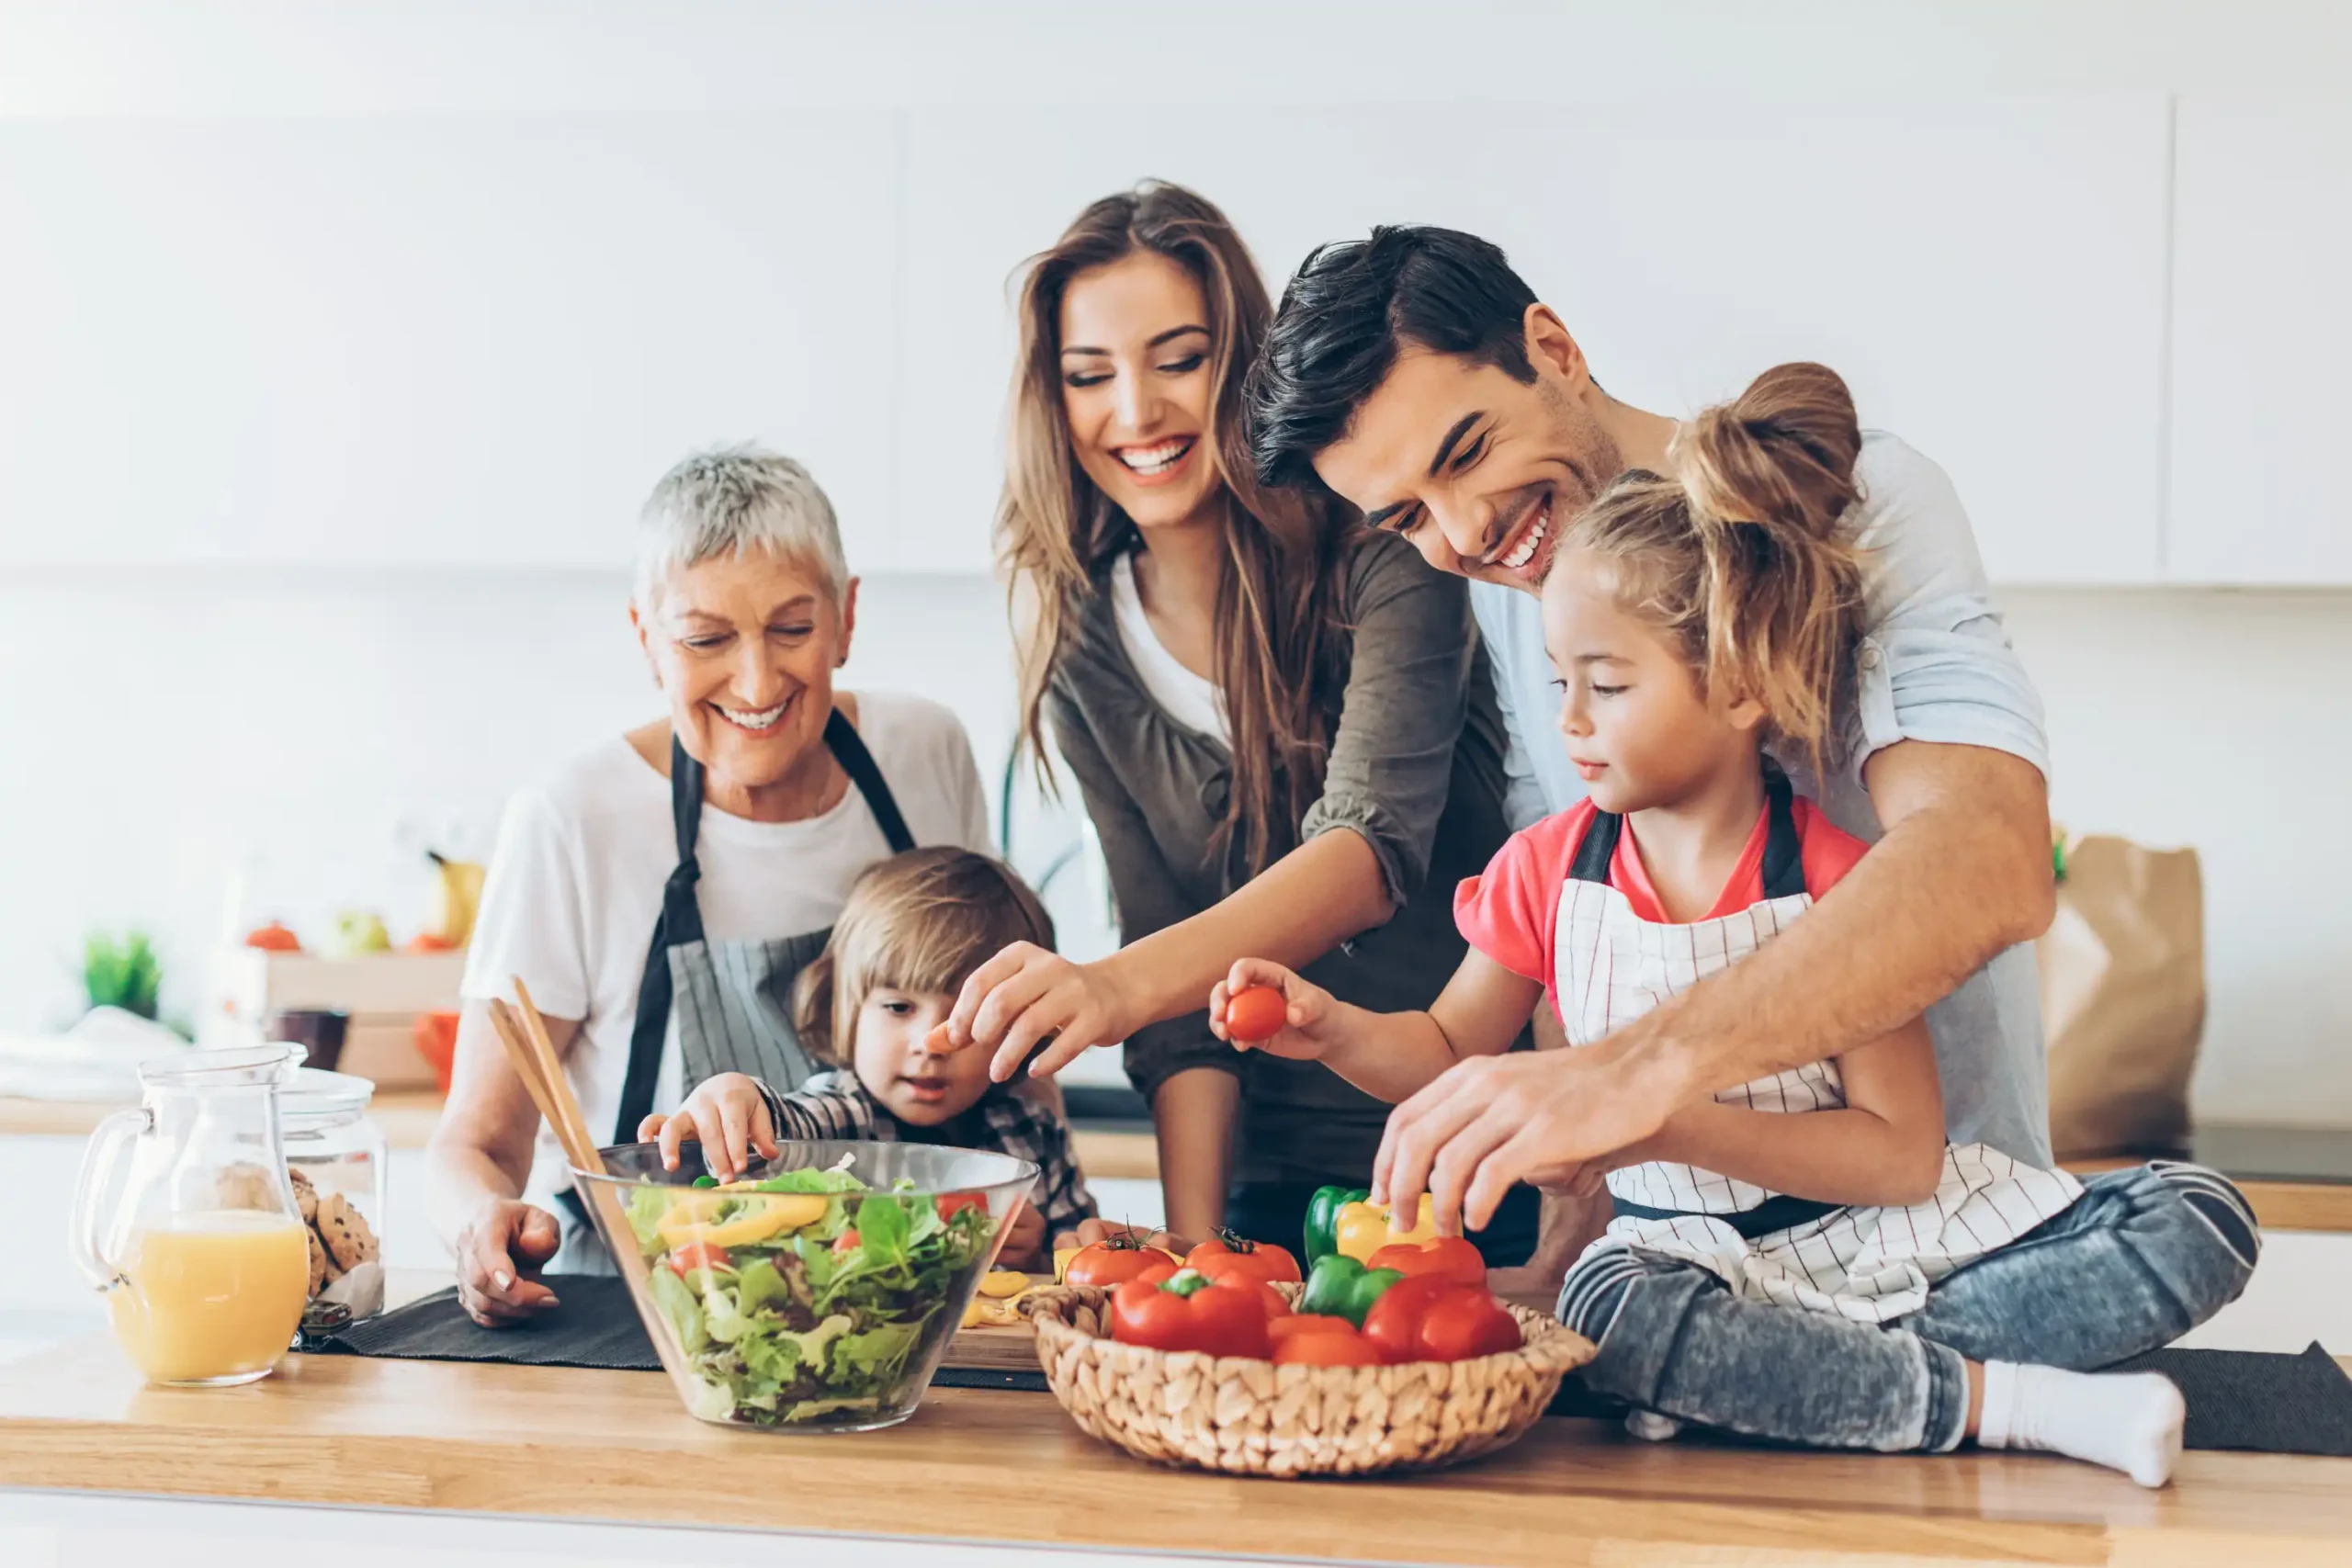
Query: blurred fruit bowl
column 436, row 1041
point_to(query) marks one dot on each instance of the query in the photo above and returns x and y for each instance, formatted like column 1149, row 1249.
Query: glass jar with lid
column 336, row 1157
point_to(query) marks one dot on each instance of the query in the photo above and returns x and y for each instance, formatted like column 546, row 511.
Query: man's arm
column 1962, row 872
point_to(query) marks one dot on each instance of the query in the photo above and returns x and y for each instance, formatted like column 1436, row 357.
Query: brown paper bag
column 2123, row 998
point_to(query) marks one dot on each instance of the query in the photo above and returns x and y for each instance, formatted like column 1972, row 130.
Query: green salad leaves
column 831, row 1318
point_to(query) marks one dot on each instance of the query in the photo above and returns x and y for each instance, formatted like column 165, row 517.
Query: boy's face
column 1479, row 472
column 1637, row 729
column 892, row 1061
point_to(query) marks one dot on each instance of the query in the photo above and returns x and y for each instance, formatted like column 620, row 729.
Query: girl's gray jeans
column 2143, row 1257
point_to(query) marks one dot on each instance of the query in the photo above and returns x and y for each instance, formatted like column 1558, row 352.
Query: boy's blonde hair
column 1739, row 557
column 919, row 921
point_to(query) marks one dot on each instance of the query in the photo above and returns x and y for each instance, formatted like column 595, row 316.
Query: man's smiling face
column 1481, row 471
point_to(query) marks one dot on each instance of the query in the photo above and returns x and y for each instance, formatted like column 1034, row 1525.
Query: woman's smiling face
column 1136, row 380
column 745, row 647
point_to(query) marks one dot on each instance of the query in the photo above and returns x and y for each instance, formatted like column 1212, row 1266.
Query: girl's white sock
column 1652, row 1427
column 2127, row 1421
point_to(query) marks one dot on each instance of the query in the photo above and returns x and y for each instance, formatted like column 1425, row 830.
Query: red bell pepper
column 1189, row 1312
column 1447, row 1257
column 1430, row 1318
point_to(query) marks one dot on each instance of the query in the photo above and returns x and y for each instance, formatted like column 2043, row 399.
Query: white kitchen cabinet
column 1989, row 276
column 436, row 339
column 2262, row 329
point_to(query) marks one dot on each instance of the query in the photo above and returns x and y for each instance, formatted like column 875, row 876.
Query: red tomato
column 1229, row 1255
column 1458, row 1327
column 1215, row 1320
column 846, row 1243
column 952, row 1203
column 1447, row 1257
column 1344, row 1348
column 1108, row 1263
column 1293, row 1324
column 1258, row 1013
column 693, row 1255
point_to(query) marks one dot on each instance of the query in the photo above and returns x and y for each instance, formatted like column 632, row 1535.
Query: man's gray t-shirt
column 1934, row 664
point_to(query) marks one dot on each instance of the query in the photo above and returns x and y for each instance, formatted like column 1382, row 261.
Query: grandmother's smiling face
column 745, row 647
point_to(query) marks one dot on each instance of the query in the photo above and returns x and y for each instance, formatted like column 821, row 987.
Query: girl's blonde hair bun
column 1741, row 557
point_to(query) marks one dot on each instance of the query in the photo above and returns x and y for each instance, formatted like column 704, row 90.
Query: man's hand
column 1553, row 1118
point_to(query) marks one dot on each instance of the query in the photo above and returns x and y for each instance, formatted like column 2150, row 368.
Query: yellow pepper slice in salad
column 760, row 1215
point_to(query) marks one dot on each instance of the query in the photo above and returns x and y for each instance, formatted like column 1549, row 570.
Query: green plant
column 121, row 972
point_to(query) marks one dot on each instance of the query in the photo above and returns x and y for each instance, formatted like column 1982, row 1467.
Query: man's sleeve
column 1935, row 663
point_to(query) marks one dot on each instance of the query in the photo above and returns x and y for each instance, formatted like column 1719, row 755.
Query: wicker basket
column 1250, row 1417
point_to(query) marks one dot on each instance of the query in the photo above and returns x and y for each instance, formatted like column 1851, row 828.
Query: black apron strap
column 1779, row 1213
column 1598, row 848
column 849, row 750
column 1783, row 855
column 681, row 923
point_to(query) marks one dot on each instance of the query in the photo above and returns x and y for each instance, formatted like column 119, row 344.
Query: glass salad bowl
column 816, row 1292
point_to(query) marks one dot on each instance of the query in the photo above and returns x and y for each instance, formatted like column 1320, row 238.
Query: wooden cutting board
column 993, row 1349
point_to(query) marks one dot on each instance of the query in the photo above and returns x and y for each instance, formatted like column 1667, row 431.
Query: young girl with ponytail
column 913, row 928
column 1801, row 1258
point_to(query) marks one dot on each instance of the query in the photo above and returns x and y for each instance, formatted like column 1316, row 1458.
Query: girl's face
column 745, row 647
column 1136, row 372
column 1637, row 729
column 896, row 1066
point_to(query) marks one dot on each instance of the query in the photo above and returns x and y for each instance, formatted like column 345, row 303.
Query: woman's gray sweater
column 1416, row 767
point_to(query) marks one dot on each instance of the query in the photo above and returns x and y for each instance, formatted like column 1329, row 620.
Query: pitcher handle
column 99, row 1163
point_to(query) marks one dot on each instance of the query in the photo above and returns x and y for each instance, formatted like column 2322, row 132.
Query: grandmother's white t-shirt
column 576, row 885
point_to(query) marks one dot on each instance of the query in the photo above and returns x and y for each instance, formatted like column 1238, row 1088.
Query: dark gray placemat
column 596, row 1326
column 2269, row 1404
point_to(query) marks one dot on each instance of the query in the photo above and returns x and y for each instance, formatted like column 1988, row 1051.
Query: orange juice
column 214, row 1297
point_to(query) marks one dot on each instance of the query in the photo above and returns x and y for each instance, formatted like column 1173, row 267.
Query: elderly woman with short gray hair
column 659, row 892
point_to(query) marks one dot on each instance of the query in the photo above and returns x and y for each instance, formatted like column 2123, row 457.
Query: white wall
column 2080, row 252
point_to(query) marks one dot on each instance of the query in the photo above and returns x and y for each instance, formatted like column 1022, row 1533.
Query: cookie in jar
column 336, row 1157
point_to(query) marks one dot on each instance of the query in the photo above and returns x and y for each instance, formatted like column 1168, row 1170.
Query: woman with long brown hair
column 1283, row 726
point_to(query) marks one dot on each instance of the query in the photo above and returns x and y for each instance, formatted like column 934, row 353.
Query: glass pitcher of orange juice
column 186, row 1219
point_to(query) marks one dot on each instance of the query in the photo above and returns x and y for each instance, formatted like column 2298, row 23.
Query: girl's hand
column 727, row 1115
column 1304, row 1034
column 1027, row 994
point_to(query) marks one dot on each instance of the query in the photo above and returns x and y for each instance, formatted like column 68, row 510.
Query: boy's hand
column 727, row 1115
column 1304, row 1034
column 1024, row 1241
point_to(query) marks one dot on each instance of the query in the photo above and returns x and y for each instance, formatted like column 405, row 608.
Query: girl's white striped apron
column 1870, row 1265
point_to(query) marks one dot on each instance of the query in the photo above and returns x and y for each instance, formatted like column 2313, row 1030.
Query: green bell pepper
column 1323, row 1219
column 1341, row 1286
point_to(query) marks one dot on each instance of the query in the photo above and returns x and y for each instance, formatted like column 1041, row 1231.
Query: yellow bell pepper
column 1361, row 1229
column 763, row 1214
column 1003, row 1283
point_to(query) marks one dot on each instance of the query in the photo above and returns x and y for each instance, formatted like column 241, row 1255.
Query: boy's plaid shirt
column 835, row 1105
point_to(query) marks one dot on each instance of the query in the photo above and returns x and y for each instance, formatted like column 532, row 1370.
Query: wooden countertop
column 977, row 1465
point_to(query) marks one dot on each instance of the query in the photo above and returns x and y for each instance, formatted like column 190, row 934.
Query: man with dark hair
column 1417, row 376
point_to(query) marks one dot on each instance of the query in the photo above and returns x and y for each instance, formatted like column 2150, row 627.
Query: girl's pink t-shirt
column 1509, row 912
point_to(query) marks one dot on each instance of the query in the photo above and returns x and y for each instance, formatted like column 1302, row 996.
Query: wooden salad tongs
column 534, row 1056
